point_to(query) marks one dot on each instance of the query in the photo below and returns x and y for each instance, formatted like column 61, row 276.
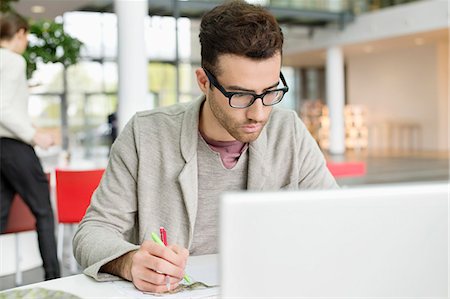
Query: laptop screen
column 382, row 241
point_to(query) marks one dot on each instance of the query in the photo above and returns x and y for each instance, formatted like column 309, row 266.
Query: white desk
column 201, row 268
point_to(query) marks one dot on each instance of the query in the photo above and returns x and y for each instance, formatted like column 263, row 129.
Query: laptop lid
column 382, row 241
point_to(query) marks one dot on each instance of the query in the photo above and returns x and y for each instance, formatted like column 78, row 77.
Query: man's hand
column 43, row 140
column 148, row 266
column 151, row 264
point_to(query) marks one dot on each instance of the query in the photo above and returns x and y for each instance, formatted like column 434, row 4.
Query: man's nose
column 257, row 111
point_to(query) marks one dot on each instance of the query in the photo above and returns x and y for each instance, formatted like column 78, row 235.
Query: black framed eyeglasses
column 246, row 99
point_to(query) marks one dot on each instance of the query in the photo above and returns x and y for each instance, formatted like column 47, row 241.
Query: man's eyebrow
column 238, row 88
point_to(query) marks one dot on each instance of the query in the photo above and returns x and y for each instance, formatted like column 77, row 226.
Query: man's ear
column 202, row 80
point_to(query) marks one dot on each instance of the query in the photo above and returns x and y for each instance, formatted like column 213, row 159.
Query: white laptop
column 382, row 241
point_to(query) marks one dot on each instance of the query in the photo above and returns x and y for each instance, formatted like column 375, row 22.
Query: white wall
column 403, row 85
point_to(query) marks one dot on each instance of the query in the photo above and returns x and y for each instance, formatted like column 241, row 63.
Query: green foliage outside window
column 50, row 43
column 162, row 82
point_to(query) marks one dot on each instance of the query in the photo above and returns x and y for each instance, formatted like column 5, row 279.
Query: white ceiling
column 317, row 58
column 52, row 8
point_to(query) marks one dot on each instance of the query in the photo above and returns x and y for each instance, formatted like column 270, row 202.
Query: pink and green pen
column 157, row 240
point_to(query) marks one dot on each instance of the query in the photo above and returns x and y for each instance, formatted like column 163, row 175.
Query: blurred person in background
column 21, row 171
column 112, row 123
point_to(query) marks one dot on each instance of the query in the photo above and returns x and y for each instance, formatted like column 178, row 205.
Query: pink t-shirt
column 229, row 151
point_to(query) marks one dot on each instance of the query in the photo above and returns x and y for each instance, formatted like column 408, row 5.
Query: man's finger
column 165, row 253
column 179, row 250
column 146, row 286
column 144, row 260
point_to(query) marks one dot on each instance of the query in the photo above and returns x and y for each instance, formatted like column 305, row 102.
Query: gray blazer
column 151, row 179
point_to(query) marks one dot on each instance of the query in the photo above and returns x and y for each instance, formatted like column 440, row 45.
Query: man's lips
column 252, row 128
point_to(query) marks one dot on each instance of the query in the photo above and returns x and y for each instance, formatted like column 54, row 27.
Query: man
column 169, row 165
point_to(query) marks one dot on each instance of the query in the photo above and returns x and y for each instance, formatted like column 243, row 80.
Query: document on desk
column 204, row 269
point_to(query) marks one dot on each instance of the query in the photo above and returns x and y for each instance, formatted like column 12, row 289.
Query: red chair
column 20, row 219
column 74, row 190
column 347, row 169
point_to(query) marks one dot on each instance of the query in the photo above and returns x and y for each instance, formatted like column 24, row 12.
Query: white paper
column 200, row 268
column 127, row 289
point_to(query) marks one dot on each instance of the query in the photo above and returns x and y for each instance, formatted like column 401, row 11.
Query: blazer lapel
column 188, row 178
column 189, row 185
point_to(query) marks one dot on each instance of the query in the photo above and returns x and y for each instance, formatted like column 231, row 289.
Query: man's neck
column 210, row 127
column 7, row 44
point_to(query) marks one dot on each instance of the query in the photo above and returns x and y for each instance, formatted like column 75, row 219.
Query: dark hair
column 10, row 24
column 239, row 28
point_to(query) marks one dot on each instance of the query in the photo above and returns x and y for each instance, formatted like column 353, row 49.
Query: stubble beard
column 231, row 126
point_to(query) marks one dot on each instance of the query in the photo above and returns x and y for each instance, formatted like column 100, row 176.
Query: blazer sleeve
column 108, row 230
column 314, row 173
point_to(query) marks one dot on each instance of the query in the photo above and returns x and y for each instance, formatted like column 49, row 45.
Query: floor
column 382, row 168
column 37, row 274
column 386, row 168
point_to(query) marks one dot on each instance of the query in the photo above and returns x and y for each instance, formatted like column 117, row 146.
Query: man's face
column 240, row 74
